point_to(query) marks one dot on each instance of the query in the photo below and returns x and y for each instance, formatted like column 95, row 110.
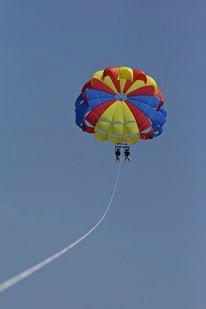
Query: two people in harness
column 126, row 154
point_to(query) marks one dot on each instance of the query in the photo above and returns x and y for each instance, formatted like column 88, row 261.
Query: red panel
column 116, row 82
column 86, row 86
column 136, row 72
column 159, row 105
column 88, row 129
column 142, row 121
column 139, row 75
column 161, row 97
column 147, row 135
column 127, row 85
column 111, row 71
column 98, row 85
column 96, row 112
column 146, row 90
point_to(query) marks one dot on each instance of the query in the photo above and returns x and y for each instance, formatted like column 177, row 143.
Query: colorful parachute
column 122, row 105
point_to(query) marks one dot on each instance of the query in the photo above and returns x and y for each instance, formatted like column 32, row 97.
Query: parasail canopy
column 121, row 104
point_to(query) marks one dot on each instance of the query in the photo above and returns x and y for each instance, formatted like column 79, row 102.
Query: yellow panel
column 115, row 140
column 108, row 113
column 117, row 125
column 102, row 125
column 120, row 125
column 122, row 84
column 127, row 114
column 137, row 84
column 131, row 127
column 98, row 74
column 151, row 82
column 133, row 140
column 100, row 137
column 126, row 73
column 109, row 83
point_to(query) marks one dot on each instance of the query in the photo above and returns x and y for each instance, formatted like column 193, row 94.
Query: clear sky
column 55, row 181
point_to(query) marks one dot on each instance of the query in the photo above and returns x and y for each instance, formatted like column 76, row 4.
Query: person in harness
column 127, row 154
column 117, row 154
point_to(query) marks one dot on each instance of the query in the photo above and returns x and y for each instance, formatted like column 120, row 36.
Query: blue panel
column 146, row 109
column 96, row 102
column 158, row 118
column 163, row 112
column 146, row 99
column 98, row 94
column 81, row 109
column 154, row 115
column 157, row 132
column 78, row 100
column 96, row 97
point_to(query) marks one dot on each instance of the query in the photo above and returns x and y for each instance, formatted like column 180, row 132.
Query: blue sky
column 55, row 181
